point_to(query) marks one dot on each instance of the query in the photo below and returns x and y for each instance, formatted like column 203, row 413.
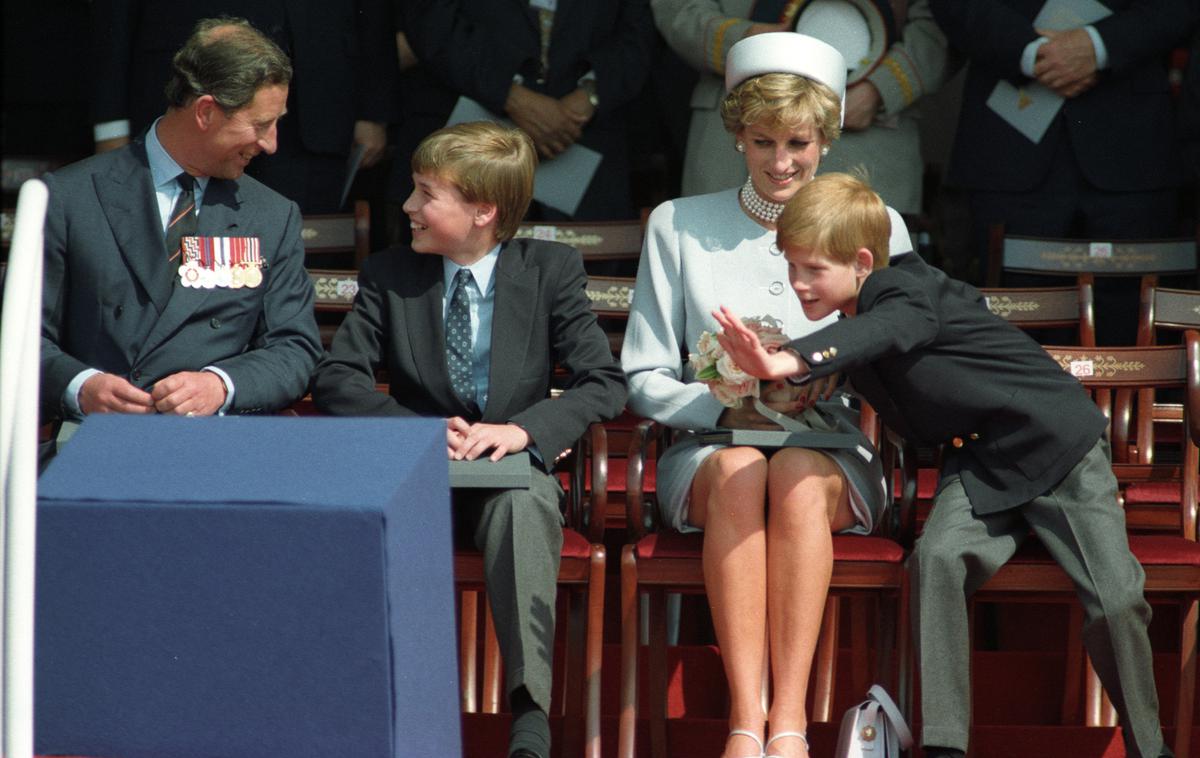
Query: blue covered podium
column 255, row 586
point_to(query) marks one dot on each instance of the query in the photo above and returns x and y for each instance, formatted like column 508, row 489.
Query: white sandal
column 757, row 740
column 781, row 735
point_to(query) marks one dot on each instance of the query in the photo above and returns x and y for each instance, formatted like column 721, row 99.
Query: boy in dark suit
column 1025, row 447
column 469, row 324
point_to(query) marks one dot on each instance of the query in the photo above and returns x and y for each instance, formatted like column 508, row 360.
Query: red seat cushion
column 856, row 547
column 1149, row 493
column 575, row 545
column 1164, row 550
column 1150, row 550
column 847, row 547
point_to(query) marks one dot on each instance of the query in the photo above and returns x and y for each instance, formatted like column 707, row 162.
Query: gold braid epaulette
column 901, row 77
column 718, row 57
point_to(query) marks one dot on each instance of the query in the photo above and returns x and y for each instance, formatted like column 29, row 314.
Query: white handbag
column 873, row 729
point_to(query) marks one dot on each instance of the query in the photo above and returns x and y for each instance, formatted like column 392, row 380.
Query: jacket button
column 136, row 374
column 118, row 311
column 215, row 322
column 776, row 288
column 957, row 442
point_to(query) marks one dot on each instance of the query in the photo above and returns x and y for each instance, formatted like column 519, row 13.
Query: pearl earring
column 824, row 149
column 740, row 147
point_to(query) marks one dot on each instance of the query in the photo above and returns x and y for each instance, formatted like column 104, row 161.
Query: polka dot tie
column 458, row 338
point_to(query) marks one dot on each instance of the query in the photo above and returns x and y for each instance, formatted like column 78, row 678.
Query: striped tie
column 183, row 216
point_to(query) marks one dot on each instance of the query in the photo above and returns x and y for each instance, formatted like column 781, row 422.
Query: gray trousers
column 1083, row 527
column 520, row 534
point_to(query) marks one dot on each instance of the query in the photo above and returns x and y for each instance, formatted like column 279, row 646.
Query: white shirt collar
column 163, row 168
column 482, row 270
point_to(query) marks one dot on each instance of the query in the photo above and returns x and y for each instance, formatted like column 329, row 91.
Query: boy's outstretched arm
column 749, row 354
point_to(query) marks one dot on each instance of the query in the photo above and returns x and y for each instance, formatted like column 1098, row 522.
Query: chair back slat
column 341, row 237
column 1066, row 257
column 1046, row 308
column 335, row 289
column 595, row 240
column 1176, row 309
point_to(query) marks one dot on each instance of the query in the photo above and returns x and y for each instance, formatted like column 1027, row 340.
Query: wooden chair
column 338, row 240
column 1171, row 562
column 1085, row 259
column 658, row 560
column 1162, row 309
column 581, row 577
column 595, row 240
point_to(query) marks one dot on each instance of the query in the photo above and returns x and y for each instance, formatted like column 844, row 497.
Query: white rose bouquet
column 728, row 383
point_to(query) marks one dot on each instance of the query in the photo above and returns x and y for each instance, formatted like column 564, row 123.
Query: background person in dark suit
column 119, row 331
column 1027, row 452
column 343, row 93
column 1107, row 166
column 524, row 306
column 563, row 75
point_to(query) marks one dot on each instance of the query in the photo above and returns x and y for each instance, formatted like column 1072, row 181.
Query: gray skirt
column 860, row 466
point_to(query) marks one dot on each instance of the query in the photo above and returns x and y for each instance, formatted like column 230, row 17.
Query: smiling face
column 445, row 223
column 233, row 139
column 780, row 160
column 824, row 285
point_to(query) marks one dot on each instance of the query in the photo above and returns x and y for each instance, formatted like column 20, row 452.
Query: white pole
column 20, row 343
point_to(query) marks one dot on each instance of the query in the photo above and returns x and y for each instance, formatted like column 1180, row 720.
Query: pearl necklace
column 764, row 210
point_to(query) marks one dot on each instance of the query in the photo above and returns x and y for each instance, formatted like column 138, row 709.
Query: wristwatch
column 588, row 85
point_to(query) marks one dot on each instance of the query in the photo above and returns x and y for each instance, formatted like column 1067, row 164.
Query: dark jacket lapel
column 126, row 194
column 512, row 325
column 425, row 326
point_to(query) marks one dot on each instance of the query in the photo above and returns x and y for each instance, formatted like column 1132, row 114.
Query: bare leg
column 727, row 499
column 808, row 500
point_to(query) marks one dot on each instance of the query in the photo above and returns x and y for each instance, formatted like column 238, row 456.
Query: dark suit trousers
column 520, row 534
column 1082, row 525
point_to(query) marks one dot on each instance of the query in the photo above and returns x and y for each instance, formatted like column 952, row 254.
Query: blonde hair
column 783, row 101
column 836, row 215
column 487, row 163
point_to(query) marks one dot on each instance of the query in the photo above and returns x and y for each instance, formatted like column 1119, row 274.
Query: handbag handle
column 880, row 695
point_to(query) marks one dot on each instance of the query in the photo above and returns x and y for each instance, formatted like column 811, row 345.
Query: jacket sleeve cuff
column 720, row 35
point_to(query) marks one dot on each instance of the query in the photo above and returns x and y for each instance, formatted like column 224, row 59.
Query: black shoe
column 943, row 752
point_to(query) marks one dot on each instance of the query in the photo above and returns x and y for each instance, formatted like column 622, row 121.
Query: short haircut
column 786, row 101
column 228, row 59
column 835, row 215
column 487, row 163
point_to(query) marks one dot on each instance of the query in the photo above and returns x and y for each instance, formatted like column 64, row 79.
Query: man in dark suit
column 1025, row 448
column 564, row 72
column 124, row 330
column 344, row 54
column 1106, row 166
column 470, row 324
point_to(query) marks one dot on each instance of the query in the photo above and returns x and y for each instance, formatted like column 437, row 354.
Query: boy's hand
column 457, row 430
column 749, row 354
column 501, row 439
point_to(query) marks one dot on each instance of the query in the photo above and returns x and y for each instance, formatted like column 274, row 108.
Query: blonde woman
column 767, row 517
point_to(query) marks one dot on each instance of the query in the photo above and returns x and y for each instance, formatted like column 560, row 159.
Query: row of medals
column 236, row 276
